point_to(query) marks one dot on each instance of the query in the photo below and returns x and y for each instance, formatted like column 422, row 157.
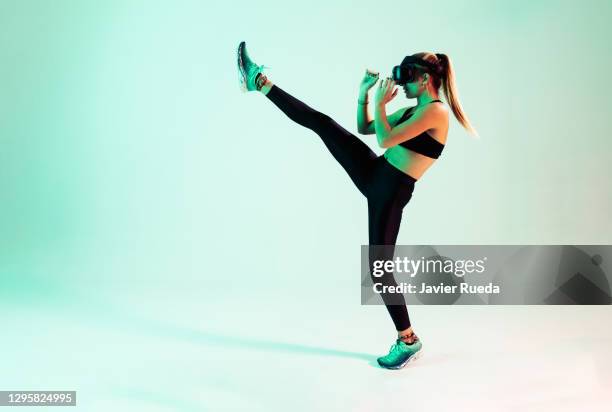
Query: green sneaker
column 401, row 354
column 247, row 70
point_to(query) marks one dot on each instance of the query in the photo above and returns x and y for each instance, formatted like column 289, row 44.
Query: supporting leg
column 384, row 220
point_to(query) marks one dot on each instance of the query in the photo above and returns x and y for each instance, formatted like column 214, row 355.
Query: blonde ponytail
column 445, row 78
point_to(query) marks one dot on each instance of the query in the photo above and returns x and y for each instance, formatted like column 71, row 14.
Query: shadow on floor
column 228, row 341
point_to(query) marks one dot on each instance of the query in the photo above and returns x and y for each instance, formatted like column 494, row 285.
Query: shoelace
column 395, row 347
column 261, row 68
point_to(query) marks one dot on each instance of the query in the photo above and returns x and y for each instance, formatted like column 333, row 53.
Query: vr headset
column 409, row 70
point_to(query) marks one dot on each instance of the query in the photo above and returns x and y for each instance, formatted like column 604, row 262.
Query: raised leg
column 353, row 154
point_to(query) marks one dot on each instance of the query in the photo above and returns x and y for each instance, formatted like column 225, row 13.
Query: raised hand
column 369, row 80
column 386, row 91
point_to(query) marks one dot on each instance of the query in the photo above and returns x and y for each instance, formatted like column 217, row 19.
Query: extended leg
column 352, row 153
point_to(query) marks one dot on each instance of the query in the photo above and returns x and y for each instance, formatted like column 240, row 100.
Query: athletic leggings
column 386, row 188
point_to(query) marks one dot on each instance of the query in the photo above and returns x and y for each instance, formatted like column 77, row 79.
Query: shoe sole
column 414, row 357
column 243, row 77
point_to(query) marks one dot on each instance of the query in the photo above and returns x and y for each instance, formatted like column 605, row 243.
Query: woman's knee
column 380, row 260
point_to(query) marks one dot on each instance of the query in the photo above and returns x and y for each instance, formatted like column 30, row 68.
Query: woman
column 414, row 138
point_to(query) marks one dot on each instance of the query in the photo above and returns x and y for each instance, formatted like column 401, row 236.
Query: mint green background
column 137, row 178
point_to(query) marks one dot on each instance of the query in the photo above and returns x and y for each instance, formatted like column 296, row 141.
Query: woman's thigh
column 353, row 155
column 384, row 220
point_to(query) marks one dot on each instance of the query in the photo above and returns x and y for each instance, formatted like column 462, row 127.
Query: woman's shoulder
column 438, row 107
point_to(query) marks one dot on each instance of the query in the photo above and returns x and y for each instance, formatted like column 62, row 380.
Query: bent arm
column 363, row 117
column 381, row 124
column 365, row 123
column 419, row 122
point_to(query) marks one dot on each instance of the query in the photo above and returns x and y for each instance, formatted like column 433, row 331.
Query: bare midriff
column 412, row 163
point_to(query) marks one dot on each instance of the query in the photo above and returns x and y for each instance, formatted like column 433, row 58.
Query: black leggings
column 386, row 188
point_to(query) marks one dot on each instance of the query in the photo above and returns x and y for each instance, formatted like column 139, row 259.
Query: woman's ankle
column 407, row 336
column 265, row 85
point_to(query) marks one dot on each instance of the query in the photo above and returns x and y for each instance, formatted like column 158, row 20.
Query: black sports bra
column 423, row 144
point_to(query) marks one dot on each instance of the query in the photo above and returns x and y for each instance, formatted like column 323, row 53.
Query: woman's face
column 415, row 88
column 411, row 89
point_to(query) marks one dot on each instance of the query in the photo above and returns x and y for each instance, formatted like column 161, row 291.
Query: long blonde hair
column 447, row 80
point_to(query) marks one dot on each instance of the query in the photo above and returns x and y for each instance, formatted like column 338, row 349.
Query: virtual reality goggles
column 410, row 69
